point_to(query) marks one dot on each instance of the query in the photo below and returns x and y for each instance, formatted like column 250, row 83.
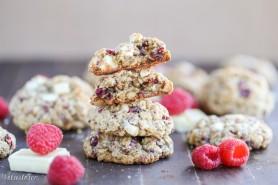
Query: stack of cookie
column 126, row 127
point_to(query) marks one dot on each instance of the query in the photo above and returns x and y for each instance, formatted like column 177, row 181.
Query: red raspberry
column 4, row 109
column 196, row 104
column 206, row 157
column 234, row 152
column 44, row 138
column 178, row 101
column 65, row 170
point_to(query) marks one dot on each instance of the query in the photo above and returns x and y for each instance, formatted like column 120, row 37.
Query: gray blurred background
column 71, row 30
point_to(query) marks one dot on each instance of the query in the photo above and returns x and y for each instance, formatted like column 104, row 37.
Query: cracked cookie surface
column 129, row 86
column 127, row 150
column 140, row 52
column 213, row 130
column 141, row 118
column 7, row 143
column 237, row 91
column 61, row 100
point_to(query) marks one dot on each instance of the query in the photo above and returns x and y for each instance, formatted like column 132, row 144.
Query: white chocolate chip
column 49, row 97
column 130, row 129
column 187, row 120
column 135, row 37
column 124, row 108
column 194, row 115
column 35, row 82
column 218, row 126
column 144, row 73
column 126, row 48
column 108, row 59
column 108, row 62
column 181, row 123
column 62, row 88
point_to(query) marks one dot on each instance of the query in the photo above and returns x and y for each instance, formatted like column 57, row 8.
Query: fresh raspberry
column 65, row 170
column 178, row 101
column 44, row 138
column 234, row 152
column 196, row 104
column 206, row 157
column 4, row 109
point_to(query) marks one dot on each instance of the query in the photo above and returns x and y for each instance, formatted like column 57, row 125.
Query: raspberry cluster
column 231, row 153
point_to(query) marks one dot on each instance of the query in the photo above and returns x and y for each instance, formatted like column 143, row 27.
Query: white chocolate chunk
column 108, row 59
column 135, row 37
column 195, row 115
column 25, row 160
column 181, row 123
column 144, row 73
column 187, row 120
column 49, row 97
column 126, row 48
column 62, row 88
column 35, row 82
column 131, row 129
column 108, row 62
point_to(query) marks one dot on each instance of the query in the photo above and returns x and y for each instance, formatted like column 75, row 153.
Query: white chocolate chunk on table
column 26, row 160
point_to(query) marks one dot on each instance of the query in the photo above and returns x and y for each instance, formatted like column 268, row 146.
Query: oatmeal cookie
column 140, row 52
column 256, row 65
column 127, row 150
column 141, row 118
column 129, row 86
column 237, row 90
column 188, row 77
column 7, row 143
column 213, row 130
column 61, row 100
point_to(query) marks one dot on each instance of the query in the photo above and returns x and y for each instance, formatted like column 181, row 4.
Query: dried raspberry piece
column 145, row 44
column 206, row 157
column 65, row 170
column 94, row 141
column 165, row 117
column 101, row 92
column 44, row 138
column 244, row 91
column 158, row 54
column 178, row 101
column 9, row 141
column 234, row 152
column 4, row 109
column 105, row 92
column 111, row 52
column 134, row 109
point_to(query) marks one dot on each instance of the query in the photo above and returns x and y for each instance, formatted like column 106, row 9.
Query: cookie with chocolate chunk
column 141, row 118
column 7, row 143
column 61, row 100
column 139, row 53
column 127, row 150
column 237, row 90
column 129, row 86
column 257, row 65
column 213, row 130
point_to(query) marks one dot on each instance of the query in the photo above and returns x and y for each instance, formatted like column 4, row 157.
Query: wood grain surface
column 177, row 170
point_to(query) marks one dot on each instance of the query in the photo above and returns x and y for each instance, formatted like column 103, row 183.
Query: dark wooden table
column 262, row 167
